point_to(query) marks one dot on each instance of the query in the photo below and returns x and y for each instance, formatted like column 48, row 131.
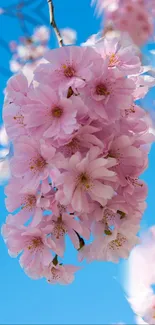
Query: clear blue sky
column 95, row 297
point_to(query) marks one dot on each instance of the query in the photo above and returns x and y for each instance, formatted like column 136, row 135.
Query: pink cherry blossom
column 81, row 141
column 106, row 91
column 31, row 203
column 106, row 218
column 65, row 224
column 143, row 84
column 53, row 116
column 33, row 242
column 118, row 244
column 32, row 161
column 69, row 66
column 14, row 121
column 84, row 179
column 17, row 90
column 120, row 56
column 59, row 273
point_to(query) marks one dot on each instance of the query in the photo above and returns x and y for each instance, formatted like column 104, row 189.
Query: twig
column 53, row 23
column 41, row 15
column 19, row 4
column 22, row 23
column 32, row 20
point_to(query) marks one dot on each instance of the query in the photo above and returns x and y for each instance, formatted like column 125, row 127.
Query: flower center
column 85, row 181
column 109, row 215
column 57, row 112
column 62, row 208
column 140, row 17
column 130, row 110
column 30, row 201
column 112, row 60
column 101, row 90
column 129, row 8
column 55, row 273
column 133, row 181
column 146, row 29
column 118, row 242
column 73, row 146
column 35, row 243
column 69, row 71
column 114, row 154
column 38, row 164
column 19, row 119
column 59, row 228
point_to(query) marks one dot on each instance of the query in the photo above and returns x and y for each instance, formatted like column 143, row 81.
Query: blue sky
column 96, row 296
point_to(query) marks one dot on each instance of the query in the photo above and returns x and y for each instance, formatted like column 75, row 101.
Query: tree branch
column 53, row 23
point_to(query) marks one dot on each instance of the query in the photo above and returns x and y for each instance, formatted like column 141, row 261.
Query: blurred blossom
column 2, row 11
column 4, row 171
column 29, row 50
column 13, row 45
column 69, row 36
column 152, row 52
column 4, row 153
column 140, row 321
column 140, row 277
column 132, row 16
column 14, row 66
column 4, row 141
column 110, row 34
column 41, row 34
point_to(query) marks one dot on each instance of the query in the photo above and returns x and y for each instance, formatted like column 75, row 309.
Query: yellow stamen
column 101, row 90
column 57, row 112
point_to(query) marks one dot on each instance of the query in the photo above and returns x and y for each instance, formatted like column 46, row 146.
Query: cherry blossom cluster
column 80, row 143
column 141, row 278
column 133, row 16
column 30, row 49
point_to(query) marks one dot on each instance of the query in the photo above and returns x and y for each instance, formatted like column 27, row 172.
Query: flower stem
column 53, row 23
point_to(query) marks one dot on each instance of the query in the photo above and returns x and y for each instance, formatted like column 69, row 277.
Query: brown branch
column 53, row 23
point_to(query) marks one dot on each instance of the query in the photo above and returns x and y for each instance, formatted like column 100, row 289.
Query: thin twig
column 41, row 15
column 53, row 23
column 19, row 4
column 39, row 11
column 22, row 22
column 32, row 20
